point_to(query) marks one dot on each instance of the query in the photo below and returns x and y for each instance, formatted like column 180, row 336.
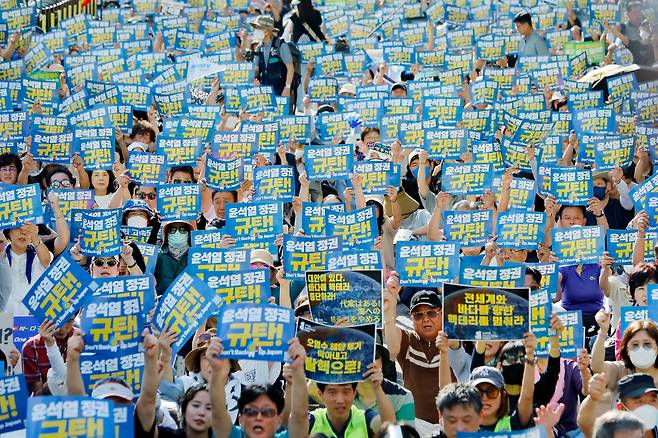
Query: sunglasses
column 182, row 229
column 180, row 181
column 253, row 412
column 102, row 262
column 58, row 184
column 419, row 316
column 142, row 196
column 489, row 390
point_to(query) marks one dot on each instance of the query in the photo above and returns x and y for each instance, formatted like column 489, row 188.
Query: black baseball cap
column 426, row 297
column 636, row 385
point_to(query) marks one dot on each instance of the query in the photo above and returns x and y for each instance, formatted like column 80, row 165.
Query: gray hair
column 459, row 394
column 614, row 421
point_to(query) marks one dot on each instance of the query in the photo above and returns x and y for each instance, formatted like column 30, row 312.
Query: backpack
column 296, row 60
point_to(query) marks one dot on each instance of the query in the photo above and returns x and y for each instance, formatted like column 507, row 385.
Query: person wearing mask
column 638, row 396
column 617, row 211
column 172, row 258
column 279, row 71
column 532, row 43
column 634, row 35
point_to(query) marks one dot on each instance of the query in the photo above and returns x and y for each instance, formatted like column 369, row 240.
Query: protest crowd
column 329, row 218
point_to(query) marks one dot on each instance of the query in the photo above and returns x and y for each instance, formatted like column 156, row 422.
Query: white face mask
column 258, row 35
column 643, row 358
column 299, row 154
column 647, row 415
column 137, row 221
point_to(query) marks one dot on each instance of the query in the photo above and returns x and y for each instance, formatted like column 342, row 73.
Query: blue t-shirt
column 582, row 291
column 237, row 432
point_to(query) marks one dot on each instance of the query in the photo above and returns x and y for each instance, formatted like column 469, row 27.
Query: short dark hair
column 323, row 386
column 523, row 18
column 614, row 421
column 536, row 275
column 55, row 169
column 252, row 392
column 142, row 127
column 187, row 398
column 111, row 184
column 234, row 193
column 9, row 159
column 186, row 169
column 635, row 327
column 563, row 207
column 367, row 130
column 459, row 394
column 641, row 275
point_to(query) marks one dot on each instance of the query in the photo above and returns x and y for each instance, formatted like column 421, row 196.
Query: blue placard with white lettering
column 510, row 275
column 377, row 176
column 466, row 179
column 100, row 234
column 313, row 222
column 97, row 153
column 216, row 259
column 595, row 120
column 52, row 148
column 255, row 331
column 302, row 253
column 255, row 99
column 328, row 162
column 112, row 323
column 652, row 301
column 224, row 175
column 20, row 204
column 520, row 229
column 13, row 403
column 179, row 151
column 59, row 292
column 355, row 260
column 274, row 183
column 629, row 314
column 254, row 219
column 549, row 275
column 146, row 168
column 619, row 243
column 127, row 365
column 445, row 143
column 124, row 423
column 578, row 245
column 469, row 228
column 247, row 286
column 186, row 304
column 24, row 328
column 426, row 264
column 68, row 416
column 210, row 238
column 150, row 254
column 571, row 185
column 614, row 151
column 355, row 228
column 540, row 312
column 179, row 201
column 572, row 338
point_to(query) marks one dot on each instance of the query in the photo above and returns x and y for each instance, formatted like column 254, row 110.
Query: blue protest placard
column 124, row 425
column 127, row 365
column 97, row 154
column 59, row 292
column 136, row 234
column 535, row 432
column 20, row 204
column 621, row 86
column 267, row 134
column 469, row 228
column 446, row 110
column 52, row 148
column 614, row 151
column 549, row 276
column 629, row 314
column 652, row 301
column 640, row 191
column 186, row 303
column 44, row 92
column 294, row 127
column 274, row 183
column 578, row 245
column 100, row 233
column 301, row 254
column 179, row 151
column 24, row 328
column 328, row 162
column 355, row 260
column 485, row 313
column 150, row 254
column 520, row 229
column 445, row 143
column 141, row 287
column 111, row 323
column 377, row 176
column 13, row 403
column 179, row 201
column 254, row 219
column 68, row 415
column 355, row 228
column 336, row 354
column 313, row 214
column 256, row 98
column 619, row 243
column 466, row 179
column 540, row 312
column 224, row 175
column 572, row 338
column 646, row 108
column 351, row 296
column 595, row 120
column 146, row 168
column 330, row 125
column 509, row 275
column 323, row 90
column 585, row 99
column 571, row 185
column 426, row 264
column 217, row 259
column 231, row 145
column 255, row 331
column 248, row 286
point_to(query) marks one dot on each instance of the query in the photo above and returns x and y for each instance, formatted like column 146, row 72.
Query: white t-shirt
column 17, row 282
column 103, row 201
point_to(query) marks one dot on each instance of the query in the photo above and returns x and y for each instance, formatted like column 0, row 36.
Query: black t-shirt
column 163, row 432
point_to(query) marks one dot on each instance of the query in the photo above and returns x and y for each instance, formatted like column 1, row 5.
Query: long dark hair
column 111, row 184
column 186, row 398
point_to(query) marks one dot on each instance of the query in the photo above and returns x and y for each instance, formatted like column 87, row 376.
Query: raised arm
column 375, row 377
column 221, row 420
column 145, row 408
column 444, row 361
column 359, row 197
column 528, row 383
column 62, row 227
column 391, row 330
column 298, row 422
column 74, row 383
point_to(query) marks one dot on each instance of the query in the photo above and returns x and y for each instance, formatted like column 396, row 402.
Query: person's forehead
column 339, row 387
column 424, row 308
column 59, row 176
column 261, row 401
column 572, row 211
column 461, row 410
column 146, row 189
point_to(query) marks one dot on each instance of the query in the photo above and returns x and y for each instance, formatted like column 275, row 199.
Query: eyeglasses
column 419, row 316
column 8, row 169
column 102, row 262
column 142, row 195
column 182, row 229
column 182, row 181
column 489, row 390
column 58, row 184
column 253, row 412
